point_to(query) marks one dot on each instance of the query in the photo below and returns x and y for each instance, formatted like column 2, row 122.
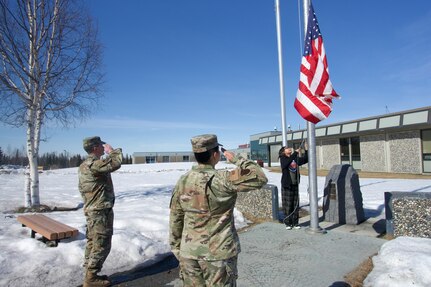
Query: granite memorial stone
column 342, row 198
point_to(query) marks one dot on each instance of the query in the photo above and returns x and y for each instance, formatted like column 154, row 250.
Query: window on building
column 297, row 145
column 345, row 153
column 258, row 151
column 350, row 152
column 426, row 150
column 150, row 159
column 165, row 158
column 356, row 151
column 186, row 158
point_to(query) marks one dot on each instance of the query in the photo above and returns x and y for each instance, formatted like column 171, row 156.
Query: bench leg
column 50, row 243
column 33, row 234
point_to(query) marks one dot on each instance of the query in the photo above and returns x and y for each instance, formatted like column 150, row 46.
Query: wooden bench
column 50, row 229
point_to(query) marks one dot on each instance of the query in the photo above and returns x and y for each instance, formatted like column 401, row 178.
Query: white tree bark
column 33, row 166
column 27, row 193
column 34, row 108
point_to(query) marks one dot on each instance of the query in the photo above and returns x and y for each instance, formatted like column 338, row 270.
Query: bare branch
column 51, row 68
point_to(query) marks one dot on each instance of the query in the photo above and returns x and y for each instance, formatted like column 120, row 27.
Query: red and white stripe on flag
column 314, row 96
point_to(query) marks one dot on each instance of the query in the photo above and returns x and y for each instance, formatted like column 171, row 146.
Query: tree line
column 50, row 160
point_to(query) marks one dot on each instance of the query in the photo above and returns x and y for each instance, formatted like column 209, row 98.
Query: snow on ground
column 140, row 236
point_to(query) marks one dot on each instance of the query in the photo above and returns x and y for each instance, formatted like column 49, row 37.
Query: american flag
column 314, row 97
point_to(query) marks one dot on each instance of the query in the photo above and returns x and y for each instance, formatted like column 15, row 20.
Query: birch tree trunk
column 27, row 193
column 33, row 68
column 32, row 155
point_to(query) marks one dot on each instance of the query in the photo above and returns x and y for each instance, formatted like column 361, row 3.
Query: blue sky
column 179, row 68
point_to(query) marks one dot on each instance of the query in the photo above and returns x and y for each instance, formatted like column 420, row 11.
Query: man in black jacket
column 290, row 161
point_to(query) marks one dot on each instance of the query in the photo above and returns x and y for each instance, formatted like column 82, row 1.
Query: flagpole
column 312, row 169
column 280, row 71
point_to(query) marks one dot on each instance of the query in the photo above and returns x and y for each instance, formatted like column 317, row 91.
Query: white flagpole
column 280, row 70
column 312, row 169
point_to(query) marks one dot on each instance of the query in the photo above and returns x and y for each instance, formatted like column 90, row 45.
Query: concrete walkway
column 273, row 256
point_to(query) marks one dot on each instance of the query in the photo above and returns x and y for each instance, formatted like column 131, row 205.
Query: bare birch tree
column 50, row 70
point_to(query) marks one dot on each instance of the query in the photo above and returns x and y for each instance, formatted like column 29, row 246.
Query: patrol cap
column 204, row 143
column 92, row 141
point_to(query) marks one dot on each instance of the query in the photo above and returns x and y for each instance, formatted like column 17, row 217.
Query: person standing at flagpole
column 290, row 161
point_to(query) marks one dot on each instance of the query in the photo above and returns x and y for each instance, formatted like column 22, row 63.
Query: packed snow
column 141, row 221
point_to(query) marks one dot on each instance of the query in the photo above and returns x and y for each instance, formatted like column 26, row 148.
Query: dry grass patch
column 356, row 277
column 363, row 174
column 43, row 208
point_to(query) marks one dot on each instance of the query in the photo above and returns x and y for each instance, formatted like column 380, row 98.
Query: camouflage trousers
column 200, row 273
column 99, row 235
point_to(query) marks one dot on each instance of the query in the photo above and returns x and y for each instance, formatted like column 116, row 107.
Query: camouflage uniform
column 97, row 191
column 202, row 230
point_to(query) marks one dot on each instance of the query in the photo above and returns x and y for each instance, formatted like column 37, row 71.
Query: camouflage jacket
column 95, row 183
column 201, row 220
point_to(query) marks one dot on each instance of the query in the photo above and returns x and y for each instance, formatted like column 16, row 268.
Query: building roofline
column 378, row 116
column 389, row 121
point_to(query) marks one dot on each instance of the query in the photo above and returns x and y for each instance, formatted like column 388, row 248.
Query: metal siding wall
column 138, row 160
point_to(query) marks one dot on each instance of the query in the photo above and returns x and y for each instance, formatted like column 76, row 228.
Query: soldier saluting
column 202, row 231
column 97, row 191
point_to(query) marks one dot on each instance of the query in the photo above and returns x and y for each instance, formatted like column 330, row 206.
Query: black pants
column 290, row 203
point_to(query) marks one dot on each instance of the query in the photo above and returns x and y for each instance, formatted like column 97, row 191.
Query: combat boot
column 94, row 280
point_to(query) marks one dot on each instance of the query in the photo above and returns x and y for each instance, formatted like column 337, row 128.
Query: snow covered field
column 141, row 226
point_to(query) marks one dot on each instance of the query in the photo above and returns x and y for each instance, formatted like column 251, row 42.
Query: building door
column 426, row 150
column 150, row 159
column 351, row 152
